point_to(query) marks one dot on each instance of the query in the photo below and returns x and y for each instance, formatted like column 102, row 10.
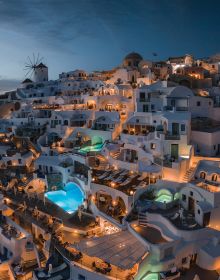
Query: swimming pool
column 69, row 199
column 164, row 198
column 93, row 148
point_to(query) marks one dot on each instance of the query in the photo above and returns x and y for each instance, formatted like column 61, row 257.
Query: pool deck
column 69, row 221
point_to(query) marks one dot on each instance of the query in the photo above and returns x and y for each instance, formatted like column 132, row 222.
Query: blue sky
column 97, row 34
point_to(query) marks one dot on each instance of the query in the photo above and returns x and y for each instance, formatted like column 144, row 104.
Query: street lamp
column 132, row 193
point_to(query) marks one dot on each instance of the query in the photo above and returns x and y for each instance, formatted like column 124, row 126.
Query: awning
column 121, row 249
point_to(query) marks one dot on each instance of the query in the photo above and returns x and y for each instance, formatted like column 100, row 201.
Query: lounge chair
column 127, row 181
column 175, row 216
column 143, row 177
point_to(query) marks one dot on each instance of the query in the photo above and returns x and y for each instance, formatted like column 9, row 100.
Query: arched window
column 214, row 177
column 202, row 175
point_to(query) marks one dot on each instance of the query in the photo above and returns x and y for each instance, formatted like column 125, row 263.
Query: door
column 191, row 205
column 175, row 128
column 218, row 151
column 175, row 151
column 206, row 219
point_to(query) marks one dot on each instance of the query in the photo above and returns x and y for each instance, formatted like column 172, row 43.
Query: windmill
column 31, row 64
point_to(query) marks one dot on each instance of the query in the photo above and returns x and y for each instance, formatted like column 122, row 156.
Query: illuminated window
column 153, row 146
column 214, row 177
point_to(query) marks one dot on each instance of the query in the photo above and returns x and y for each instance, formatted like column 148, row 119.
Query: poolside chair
column 175, row 216
column 142, row 177
column 127, row 181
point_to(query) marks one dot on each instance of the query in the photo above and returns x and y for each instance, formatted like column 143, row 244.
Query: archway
column 202, row 175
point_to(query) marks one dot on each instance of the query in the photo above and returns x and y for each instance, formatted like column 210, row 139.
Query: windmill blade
column 28, row 72
column 38, row 59
column 31, row 64
column 34, row 60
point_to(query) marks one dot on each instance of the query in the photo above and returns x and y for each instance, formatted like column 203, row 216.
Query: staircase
column 34, row 148
column 142, row 219
column 188, row 175
column 103, row 163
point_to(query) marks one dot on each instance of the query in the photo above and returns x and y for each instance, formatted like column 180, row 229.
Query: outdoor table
column 101, row 265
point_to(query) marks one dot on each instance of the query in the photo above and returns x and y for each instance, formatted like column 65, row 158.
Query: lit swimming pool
column 164, row 198
column 93, row 148
column 69, row 199
column 152, row 276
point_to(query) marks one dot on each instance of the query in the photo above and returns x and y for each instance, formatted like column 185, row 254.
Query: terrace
column 116, row 255
column 179, row 217
column 169, row 207
column 56, row 268
column 26, row 209
column 123, row 180
column 9, row 230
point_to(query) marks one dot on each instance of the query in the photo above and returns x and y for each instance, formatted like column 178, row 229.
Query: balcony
column 170, row 136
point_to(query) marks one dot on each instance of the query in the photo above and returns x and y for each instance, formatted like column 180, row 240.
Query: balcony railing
column 172, row 137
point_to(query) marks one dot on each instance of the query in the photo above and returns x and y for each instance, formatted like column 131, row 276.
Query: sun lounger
column 175, row 216
column 103, row 175
column 127, row 181
column 142, row 178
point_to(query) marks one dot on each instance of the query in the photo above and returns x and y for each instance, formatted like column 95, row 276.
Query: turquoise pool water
column 164, row 198
column 69, row 199
column 93, row 148
column 152, row 276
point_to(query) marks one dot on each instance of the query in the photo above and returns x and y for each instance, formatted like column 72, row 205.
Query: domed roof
column 134, row 55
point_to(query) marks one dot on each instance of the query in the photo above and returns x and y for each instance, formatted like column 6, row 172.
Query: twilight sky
column 97, row 34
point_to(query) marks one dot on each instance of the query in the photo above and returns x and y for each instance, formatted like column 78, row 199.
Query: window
column 142, row 95
column 202, row 175
column 81, row 277
column 145, row 108
column 214, row 177
column 152, row 107
column 153, row 146
column 198, row 103
column 19, row 160
column 137, row 120
column 183, row 127
column 198, row 211
column 183, row 197
column 191, row 193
